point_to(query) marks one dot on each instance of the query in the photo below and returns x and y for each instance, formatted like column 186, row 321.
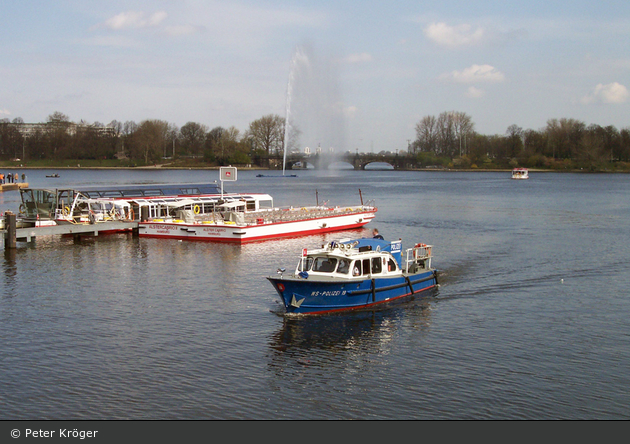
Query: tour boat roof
column 232, row 204
column 151, row 190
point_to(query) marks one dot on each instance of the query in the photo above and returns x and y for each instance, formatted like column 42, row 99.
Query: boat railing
column 417, row 258
column 258, row 217
column 290, row 214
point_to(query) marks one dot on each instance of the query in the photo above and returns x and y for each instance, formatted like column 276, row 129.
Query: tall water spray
column 314, row 109
column 287, row 117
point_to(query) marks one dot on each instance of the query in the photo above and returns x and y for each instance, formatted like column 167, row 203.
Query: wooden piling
column 10, row 223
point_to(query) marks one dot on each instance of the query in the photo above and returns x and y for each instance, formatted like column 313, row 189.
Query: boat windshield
column 325, row 264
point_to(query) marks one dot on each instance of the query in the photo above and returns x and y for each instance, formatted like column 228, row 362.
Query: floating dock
column 13, row 186
column 10, row 234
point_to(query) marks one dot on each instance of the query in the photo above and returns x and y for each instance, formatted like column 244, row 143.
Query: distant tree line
column 146, row 142
column 450, row 139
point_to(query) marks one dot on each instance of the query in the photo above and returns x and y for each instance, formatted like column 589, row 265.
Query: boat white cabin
column 520, row 173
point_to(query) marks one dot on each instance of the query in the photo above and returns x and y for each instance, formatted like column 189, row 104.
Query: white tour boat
column 520, row 173
column 245, row 219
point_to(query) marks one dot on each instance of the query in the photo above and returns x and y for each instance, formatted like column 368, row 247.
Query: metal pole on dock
column 10, row 222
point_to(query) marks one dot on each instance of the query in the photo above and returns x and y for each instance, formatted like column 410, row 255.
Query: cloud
column 613, row 93
column 135, row 19
column 6, row 112
column 350, row 111
column 475, row 74
column 474, row 93
column 359, row 58
column 454, row 36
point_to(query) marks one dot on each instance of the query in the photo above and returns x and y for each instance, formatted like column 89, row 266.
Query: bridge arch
column 377, row 165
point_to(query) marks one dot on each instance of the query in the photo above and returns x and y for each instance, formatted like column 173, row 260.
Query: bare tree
column 267, row 133
column 426, row 134
column 150, row 139
column 193, row 136
column 445, row 134
column 515, row 140
column 462, row 126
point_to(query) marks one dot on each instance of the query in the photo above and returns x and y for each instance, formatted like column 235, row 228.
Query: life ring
column 22, row 208
column 66, row 210
column 197, row 209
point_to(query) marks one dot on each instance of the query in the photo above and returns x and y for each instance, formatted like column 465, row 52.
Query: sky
column 350, row 75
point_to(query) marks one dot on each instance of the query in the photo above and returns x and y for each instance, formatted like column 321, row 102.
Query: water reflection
column 9, row 268
column 362, row 332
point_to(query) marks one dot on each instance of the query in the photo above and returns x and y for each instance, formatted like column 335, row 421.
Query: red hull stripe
column 258, row 238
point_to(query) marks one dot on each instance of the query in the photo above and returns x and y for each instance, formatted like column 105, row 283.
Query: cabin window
column 344, row 266
column 190, row 191
column 366, row 266
column 112, row 194
column 324, row 264
column 356, row 270
column 306, row 264
column 153, row 193
column 391, row 265
column 376, row 265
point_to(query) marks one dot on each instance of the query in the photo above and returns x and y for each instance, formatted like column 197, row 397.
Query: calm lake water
column 531, row 320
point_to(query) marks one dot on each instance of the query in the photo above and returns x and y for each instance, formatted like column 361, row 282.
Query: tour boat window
column 325, row 264
column 265, row 204
column 112, row 194
column 153, row 193
column 190, row 191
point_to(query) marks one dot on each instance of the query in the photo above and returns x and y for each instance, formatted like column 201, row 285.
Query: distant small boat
column 520, row 173
column 52, row 175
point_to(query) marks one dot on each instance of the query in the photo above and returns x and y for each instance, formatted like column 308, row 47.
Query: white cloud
column 474, row 93
column 475, row 74
column 359, row 58
column 454, row 36
column 350, row 111
column 135, row 19
column 611, row 93
column 6, row 112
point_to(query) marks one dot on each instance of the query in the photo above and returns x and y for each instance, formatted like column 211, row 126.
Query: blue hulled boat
column 353, row 274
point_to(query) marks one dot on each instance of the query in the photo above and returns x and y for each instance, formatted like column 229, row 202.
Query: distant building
column 28, row 129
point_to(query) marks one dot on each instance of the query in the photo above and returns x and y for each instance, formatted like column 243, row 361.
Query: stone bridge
column 323, row 161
